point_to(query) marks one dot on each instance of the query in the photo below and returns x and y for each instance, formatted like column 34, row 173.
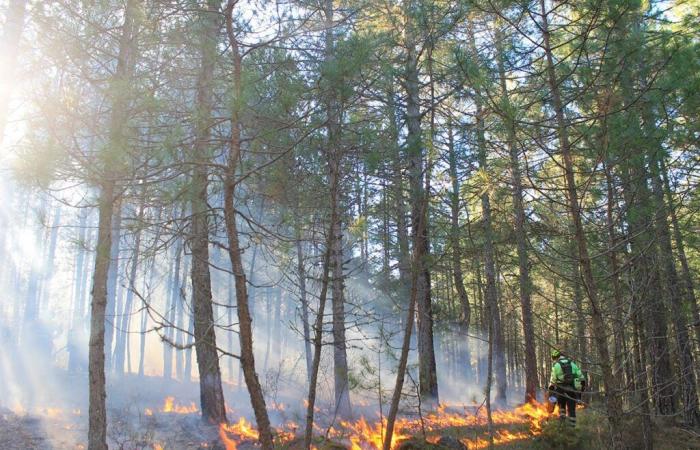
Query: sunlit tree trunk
column 318, row 329
column 610, row 381
column 245, row 334
column 427, row 371
column 492, row 310
column 525, row 284
column 97, row 408
column 334, row 155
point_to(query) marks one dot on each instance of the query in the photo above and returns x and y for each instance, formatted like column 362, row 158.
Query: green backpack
column 565, row 365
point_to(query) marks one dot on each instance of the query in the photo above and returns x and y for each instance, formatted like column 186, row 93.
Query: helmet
column 555, row 353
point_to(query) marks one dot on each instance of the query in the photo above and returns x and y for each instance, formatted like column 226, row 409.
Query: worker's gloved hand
column 551, row 387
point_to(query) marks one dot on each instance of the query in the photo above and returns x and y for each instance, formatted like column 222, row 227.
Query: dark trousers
column 566, row 399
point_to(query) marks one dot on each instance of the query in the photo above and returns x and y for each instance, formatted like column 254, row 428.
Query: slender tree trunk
column 181, row 336
column 610, row 381
column 97, row 427
column 122, row 323
column 405, row 347
column 620, row 340
column 639, row 382
column 525, row 284
column 676, row 303
column 49, row 262
column 318, row 329
column 457, row 274
column 491, row 293
column 75, row 335
column 427, row 371
column 335, row 164
column 680, row 248
column 171, row 311
column 211, row 393
column 234, row 250
column 112, row 284
column 97, row 408
column 301, row 272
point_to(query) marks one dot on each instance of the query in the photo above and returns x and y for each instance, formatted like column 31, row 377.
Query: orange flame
column 171, row 407
column 364, row 435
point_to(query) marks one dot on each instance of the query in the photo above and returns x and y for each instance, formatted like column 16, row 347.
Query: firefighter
column 566, row 383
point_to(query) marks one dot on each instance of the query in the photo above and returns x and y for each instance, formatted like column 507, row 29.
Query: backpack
column 565, row 365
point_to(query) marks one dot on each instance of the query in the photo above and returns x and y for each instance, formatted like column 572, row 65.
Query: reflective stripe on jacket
column 557, row 376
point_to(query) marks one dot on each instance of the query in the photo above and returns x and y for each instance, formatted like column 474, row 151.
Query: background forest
column 317, row 211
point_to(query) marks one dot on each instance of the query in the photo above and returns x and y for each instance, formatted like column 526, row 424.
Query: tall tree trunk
column 455, row 235
column 301, row 273
column 318, row 328
column 639, row 383
column 122, row 323
column 427, row 371
column 211, row 393
column 491, row 293
column 397, row 190
column 181, row 333
column 525, row 284
column 620, row 340
column 234, row 249
column 171, row 311
column 335, row 164
column 676, row 303
column 112, row 283
column 75, row 335
column 610, row 380
column 97, row 408
column 406, row 344
column 688, row 287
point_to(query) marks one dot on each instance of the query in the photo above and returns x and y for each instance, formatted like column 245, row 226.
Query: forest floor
column 150, row 413
column 50, row 431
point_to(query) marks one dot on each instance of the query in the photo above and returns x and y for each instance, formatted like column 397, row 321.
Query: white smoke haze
column 34, row 363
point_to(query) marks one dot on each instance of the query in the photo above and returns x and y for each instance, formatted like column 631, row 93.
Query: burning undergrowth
column 176, row 424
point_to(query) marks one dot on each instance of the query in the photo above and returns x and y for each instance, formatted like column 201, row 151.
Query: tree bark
column 673, row 285
column 525, row 284
column 112, row 283
column 245, row 334
column 427, row 371
column 318, row 330
column 334, row 157
column 680, row 248
column 457, row 274
column 97, row 408
column 211, row 393
column 610, row 381
column 122, row 323
column 301, row 273
column 405, row 346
